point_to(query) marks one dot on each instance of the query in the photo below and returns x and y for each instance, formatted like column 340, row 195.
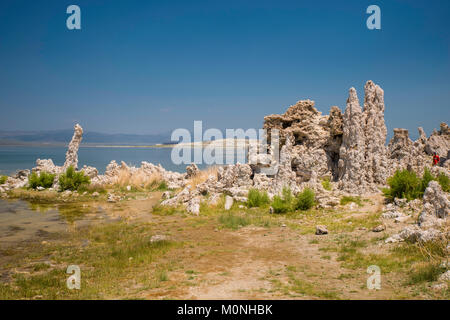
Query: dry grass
column 202, row 176
column 436, row 250
column 138, row 179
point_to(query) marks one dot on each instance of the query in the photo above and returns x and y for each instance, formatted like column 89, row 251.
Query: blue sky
column 149, row 66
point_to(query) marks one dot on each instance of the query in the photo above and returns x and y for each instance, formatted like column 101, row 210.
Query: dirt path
column 258, row 263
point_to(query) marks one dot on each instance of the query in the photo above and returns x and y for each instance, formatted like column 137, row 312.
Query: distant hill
column 64, row 136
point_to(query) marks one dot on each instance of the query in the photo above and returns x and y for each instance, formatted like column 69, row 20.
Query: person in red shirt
column 435, row 159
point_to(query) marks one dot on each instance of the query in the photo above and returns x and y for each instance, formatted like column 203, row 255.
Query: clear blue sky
column 150, row 66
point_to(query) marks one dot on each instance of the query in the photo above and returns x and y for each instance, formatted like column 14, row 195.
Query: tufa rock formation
column 349, row 148
column 406, row 154
column 352, row 151
column 432, row 221
column 313, row 141
column 363, row 156
column 47, row 165
column 439, row 141
column 72, row 151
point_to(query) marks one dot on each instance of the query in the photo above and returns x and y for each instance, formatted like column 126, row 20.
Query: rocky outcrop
column 352, row 152
column 436, row 206
column 349, row 148
column 363, row 164
column 17, row 180
column 400, row 147
column 431, row 222
column 191, row 171
column 46, row 165
column 439, row 141
column 72, row 151
column 285, row 176
column 375, row 135
column 313, row 141
column 403, row 153
column 91, row 172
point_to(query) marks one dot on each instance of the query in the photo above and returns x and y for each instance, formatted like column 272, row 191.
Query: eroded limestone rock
column 72, row 151
column 434, row 216
column 436, row 206
column 191, row 171
column 439, row 141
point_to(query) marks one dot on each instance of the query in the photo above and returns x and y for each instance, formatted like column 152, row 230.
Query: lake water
column 26, row 221
column 14, row 158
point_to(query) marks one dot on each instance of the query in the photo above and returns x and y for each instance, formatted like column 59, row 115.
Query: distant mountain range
column 60, row 137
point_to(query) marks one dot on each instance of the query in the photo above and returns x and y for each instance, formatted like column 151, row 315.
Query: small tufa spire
column 72, row 151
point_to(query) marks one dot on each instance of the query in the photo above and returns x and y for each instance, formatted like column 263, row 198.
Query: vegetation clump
column 406, row 184
column 326, row 184
column 305, row 200
column 257, row 198
column 403, row 184
column 43, row 180
column 72, row 180
column 444, row 181
column 283, row 203
column 3, row 179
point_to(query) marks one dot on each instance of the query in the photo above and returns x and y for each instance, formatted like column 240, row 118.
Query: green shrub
column 326, row 184
column 406, row 184
column 426, row 273
column 403, row 184
column 283, row 204
column 279, row 205
column 3, row 179
column 444, row 181
column 305, row 200
column 72, row 180
column 44, row 180
column 426, row 178
column 257, row 198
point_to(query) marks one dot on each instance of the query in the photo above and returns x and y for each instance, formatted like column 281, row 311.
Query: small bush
column 257, row 198
column 44, row 180
column 403, row 184
column 426, row 178
column 72, row 180
column 428, row 272
column 406, row 184
column 444, row 181
column 305, row 199
column 326, row 184
column 283, row 204
column 3, row 179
